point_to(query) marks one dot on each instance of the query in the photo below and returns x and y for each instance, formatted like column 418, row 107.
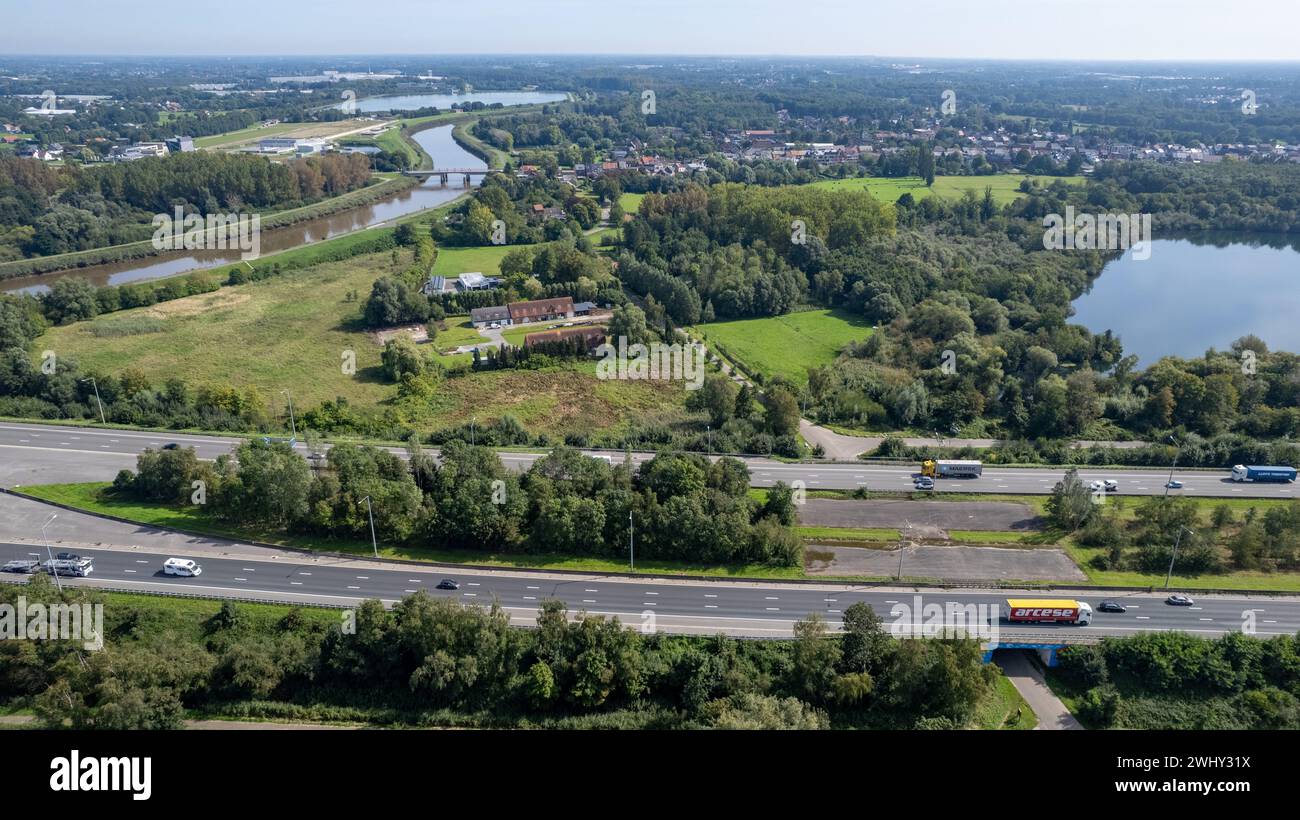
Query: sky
column 1202, row 30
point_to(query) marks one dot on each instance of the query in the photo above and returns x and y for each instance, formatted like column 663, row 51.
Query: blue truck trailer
column 1256, row 473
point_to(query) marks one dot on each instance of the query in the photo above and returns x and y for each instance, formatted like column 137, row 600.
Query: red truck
column 1048, row 611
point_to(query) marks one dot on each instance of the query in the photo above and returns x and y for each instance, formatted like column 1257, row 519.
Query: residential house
column 541, row 310
column 482, row 317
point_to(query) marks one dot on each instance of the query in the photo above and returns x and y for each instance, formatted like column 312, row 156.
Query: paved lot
column 948, row 563
column 954, row 515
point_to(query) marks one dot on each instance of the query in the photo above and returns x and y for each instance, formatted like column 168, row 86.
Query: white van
column 182, row 566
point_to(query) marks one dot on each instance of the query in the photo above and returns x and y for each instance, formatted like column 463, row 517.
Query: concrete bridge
column 444, row 174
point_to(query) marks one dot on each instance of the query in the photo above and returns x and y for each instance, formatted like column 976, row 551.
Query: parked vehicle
column 182, row 566
column 1048, row 611
column 1255, row 473
column 447, row 583
column 1179, row 600
column 951, row 469
column 26, row 567
column 1111, row 606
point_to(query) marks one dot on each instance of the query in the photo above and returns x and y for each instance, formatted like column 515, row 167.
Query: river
column 412, row 102
column 1196, row 293
column 436, row 142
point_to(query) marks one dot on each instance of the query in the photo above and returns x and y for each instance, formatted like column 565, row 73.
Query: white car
column 1107, row 486
column 182, row 566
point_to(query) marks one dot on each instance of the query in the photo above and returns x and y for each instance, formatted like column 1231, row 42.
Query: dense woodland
column 45, row 210
column 435, row 662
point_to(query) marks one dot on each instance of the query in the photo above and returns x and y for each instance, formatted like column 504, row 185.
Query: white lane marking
column 588, row 601
column 706, row 595
column 649, row 603
column 241, row 579
column 470, row 594
column 770, row 598
column 354, row 587
column 248, row 569
column 836, row 611
column 138, row 560
column 296, row 583
column 414, row 581
column 534, row 587
column 710, row 606
column 591, row 590
column 130, row 570
column 773, row 609
column 408, row 590
column 652, row 593
column 304, row 573
column 529, row 598
column 473, row 585
column 363, row 577
column 1144, row 617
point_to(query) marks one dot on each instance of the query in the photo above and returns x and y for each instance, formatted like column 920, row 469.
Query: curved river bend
column 436, row 142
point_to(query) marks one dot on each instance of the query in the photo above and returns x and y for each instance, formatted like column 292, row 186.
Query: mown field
column 787, row 345
column 297, row 130
column 1005, row 186
column 289, row 333
column 485, row 259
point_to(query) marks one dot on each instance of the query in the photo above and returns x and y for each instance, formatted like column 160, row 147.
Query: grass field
column 485, row 259
column 787, row 345
column 289, row 333
column 1004, row 708
column 630, row 202
column 1005, row 186
column 297, row 130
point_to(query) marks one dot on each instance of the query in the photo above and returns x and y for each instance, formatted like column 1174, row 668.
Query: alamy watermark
column 948, row 619
column 1098, row 232
column 194, row 232
column 675, row 362
column 47, row 622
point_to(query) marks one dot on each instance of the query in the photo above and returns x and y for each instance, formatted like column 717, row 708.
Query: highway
column 36, row 453
column 754, row 609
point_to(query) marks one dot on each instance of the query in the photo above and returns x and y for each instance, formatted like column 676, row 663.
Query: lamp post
column 293, row 426
column 374, row 544
column 472, row 420
column 95, row 385
column 1177, row 448
column 50, row 553
column 631, row 552
column 1174, row 557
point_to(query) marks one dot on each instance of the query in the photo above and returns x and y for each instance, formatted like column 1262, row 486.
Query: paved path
column 1028, row 680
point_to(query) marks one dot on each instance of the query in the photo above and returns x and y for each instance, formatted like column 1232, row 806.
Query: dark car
column 67, row 556
column 171, row 445
column 1179, row 600
column 447, row 583
column 1112, row 606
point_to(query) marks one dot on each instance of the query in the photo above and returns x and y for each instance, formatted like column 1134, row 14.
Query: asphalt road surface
column 741, row 608
column 34, row 453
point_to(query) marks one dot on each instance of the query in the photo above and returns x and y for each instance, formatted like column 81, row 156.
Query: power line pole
column 631, row 552
column 374, row 544
column 293, row 427
column 95, row 385
column 1174, row 557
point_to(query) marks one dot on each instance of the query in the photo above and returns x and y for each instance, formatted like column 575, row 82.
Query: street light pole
column 374, row 544
column 1177, row 449
column 95, row 385
column 1174, row 557
column 631, row 551
column 50, row 553
column 293, row 426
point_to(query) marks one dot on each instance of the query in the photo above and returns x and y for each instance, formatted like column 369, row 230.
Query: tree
column 717, row 396
column 1071, row 503
column 629, row 321
column 813, row 659
column 400, row 357
column 782, row 412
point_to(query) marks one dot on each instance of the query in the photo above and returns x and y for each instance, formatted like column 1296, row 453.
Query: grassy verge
column 1006, row 187
column 90, row 497
column 1004, row 708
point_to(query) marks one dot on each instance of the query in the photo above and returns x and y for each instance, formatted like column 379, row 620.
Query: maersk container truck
column 952, row 469
column 1255, row 473
column 1048, row 611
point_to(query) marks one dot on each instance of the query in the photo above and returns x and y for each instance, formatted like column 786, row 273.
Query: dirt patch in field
column 955, row 563
column 194, row 305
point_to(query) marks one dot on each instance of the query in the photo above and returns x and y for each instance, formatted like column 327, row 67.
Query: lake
column 411, row 102
column 1191, row 295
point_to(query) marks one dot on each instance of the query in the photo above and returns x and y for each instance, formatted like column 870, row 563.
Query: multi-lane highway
column 755, row 609
column 34, row 453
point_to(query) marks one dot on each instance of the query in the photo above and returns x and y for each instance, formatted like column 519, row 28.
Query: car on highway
column 183, row 567
column 27, row 567
column 171, row 445
column 67, row 556
column 447, row 583
column 1174, row 485
column 1111, row 606
column 924, row 483
column 1107, row 486
column 1179, row 600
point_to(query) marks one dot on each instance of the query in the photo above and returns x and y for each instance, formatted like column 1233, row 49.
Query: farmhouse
column 593, row 336
column 541, row 310
column 482, row 317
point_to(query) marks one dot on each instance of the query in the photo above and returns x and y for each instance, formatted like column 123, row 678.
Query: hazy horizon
column 1251, row 31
